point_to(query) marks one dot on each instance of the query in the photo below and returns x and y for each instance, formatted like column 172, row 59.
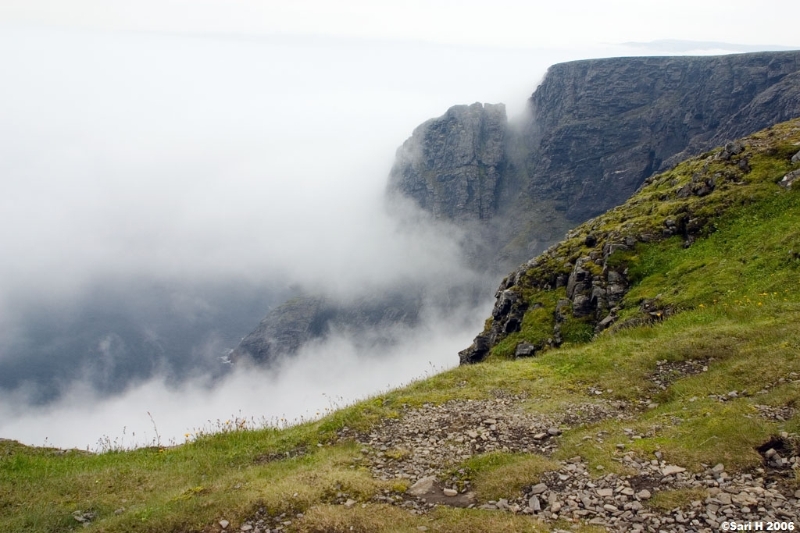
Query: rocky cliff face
column 598, row 128
column 451, row 165
column 594, row 131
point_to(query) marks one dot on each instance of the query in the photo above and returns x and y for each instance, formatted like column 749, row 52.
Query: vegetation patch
column 503, row 475
column 668, row 500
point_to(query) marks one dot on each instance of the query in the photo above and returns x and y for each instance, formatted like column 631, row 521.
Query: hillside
column 679, row 416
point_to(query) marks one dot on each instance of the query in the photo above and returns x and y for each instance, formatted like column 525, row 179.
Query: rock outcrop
column 297, row 321
column 284, row 330
column 451, row 165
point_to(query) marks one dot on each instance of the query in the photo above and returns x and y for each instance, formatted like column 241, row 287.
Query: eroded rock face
column 589, row 295
column 599, row 127
column 593, row 132
column 451, row 165
column 284, row 330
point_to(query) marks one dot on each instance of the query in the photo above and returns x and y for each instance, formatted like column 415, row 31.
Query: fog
column 322, row 377
column 160, row 192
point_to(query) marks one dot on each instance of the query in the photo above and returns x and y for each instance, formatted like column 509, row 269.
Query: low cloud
column 323, row 376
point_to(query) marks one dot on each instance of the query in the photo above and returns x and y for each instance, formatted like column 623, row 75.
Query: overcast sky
column 512, row 23
column 242, row 141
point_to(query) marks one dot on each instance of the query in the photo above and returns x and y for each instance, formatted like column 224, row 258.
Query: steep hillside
column 579, row 287
column 680, row 416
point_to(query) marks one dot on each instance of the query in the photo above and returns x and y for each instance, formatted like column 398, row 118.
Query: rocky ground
column 424, row 446
column 424, row 442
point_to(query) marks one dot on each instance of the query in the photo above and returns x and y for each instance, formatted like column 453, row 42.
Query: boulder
column 525, row 349
column 423, row 486
column 789, row 179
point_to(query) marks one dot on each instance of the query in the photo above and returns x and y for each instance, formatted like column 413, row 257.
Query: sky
column 169, row 166
column 503, row 23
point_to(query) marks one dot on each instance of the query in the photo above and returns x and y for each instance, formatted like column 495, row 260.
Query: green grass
column 671, row 499
column 736, row 292
column 503, row 475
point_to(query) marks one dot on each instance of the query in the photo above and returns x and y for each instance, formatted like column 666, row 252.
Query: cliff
column 451, row 166
column 593, row 132
column 598, row 128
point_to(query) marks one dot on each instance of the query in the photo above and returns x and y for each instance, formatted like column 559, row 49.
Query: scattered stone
column 84, row 517
column 224, row 524
column 539, row 488
column 670, row 470
column 534, row 504
column 789, row 179
column 525, row 349
column 350, row 503
column 435, row 439
column 423, row 486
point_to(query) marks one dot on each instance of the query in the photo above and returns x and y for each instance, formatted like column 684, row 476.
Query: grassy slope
column 738, row 296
